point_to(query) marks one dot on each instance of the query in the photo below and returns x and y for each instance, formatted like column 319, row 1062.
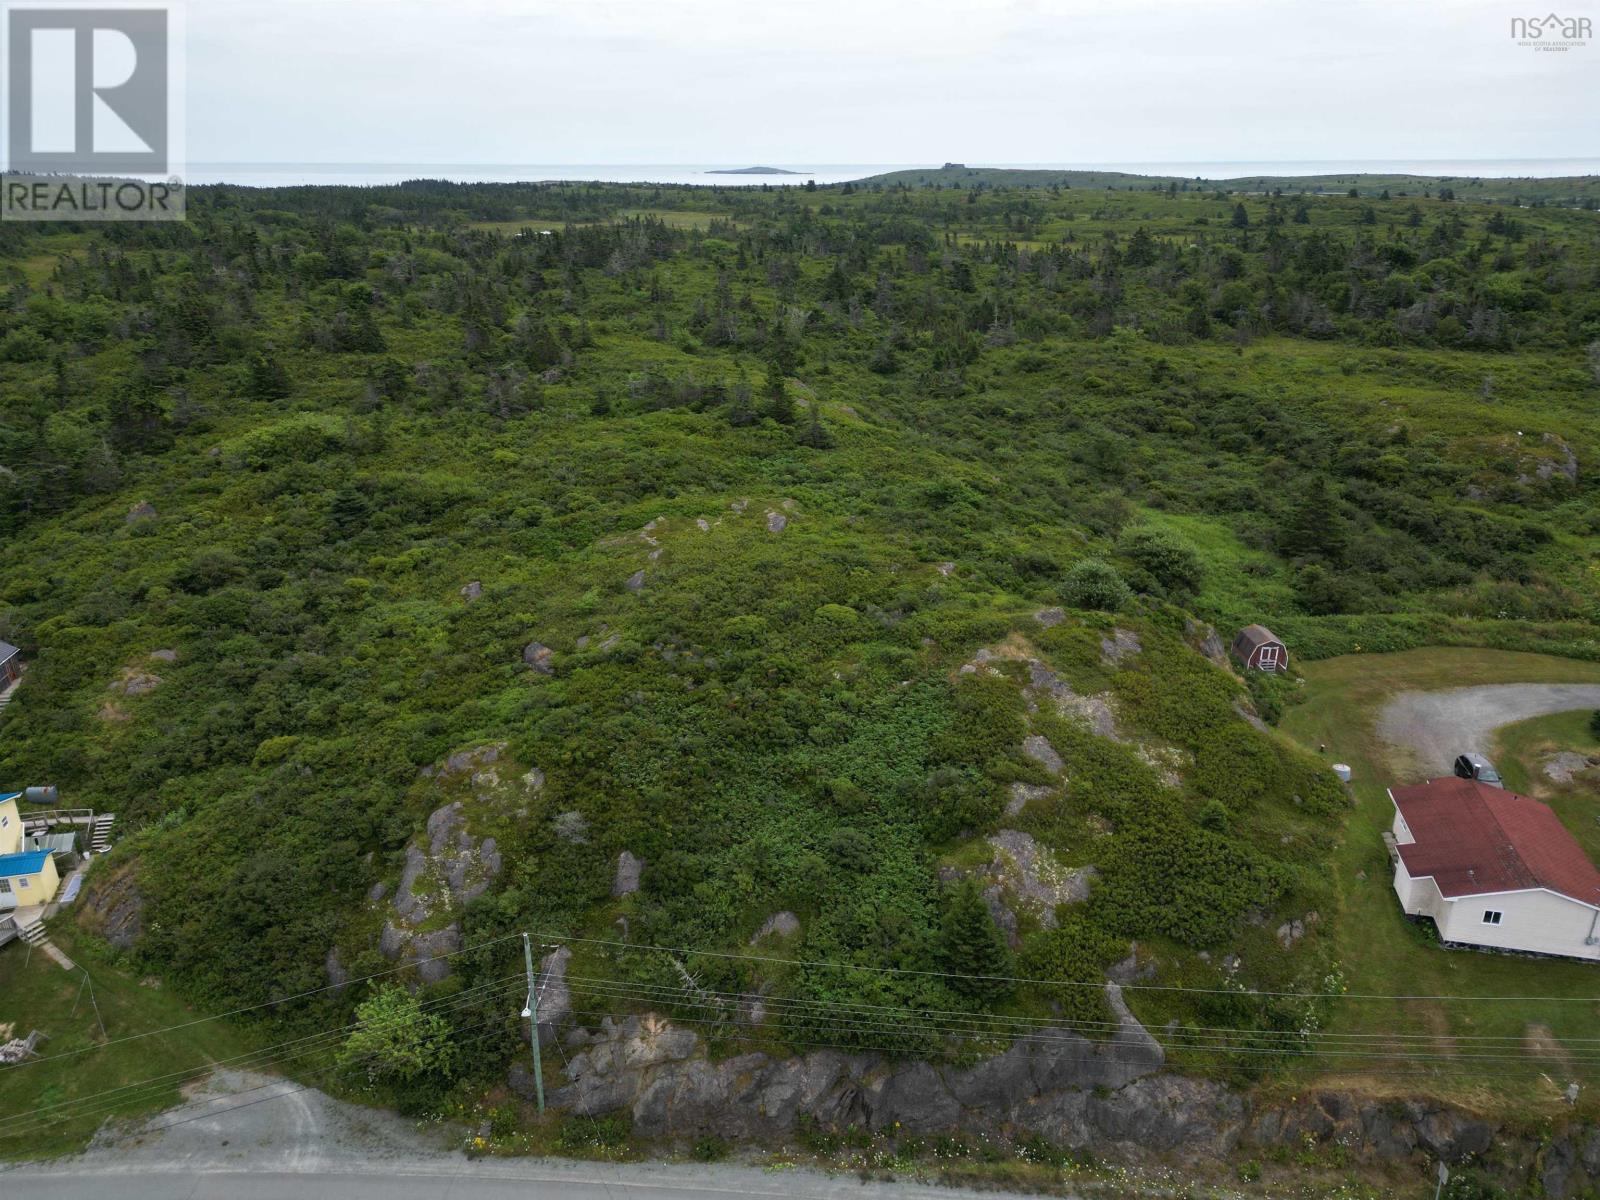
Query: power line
column 1065, row 1034
column 1142, row 987
column 1022, row 1023
column 95, row 1102
column 132, row 1037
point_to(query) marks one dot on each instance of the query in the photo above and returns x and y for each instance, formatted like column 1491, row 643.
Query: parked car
column 1476, row 766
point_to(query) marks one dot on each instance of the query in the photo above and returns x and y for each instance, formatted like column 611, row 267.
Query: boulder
column 142, row 511
column 472, row 591
column 1050, row 617
column 540, row 657
column 635, row 582
column 776, row 521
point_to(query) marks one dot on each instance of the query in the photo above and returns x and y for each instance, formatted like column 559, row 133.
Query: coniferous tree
column 971, row 948
column 780, row 407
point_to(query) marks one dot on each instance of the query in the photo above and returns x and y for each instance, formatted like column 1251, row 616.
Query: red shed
column 1259, row 649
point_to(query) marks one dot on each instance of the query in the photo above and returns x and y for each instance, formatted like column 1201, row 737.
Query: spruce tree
column 779, row 406
column 971, row 947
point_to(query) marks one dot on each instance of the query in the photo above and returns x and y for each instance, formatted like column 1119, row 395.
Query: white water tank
column 1342, row 770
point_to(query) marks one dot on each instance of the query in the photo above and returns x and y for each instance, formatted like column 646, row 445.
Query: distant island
column 756, row 171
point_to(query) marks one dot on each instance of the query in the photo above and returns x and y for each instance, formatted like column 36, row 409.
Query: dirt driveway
column 1430, row 728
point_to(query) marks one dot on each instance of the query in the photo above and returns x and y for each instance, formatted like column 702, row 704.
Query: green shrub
column 1092, row 583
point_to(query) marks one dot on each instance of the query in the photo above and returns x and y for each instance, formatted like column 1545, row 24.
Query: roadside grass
column 1521, row 750
column 1471, row 995
column 35, row 993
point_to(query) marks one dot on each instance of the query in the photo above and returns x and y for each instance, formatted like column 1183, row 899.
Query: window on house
column 5, row 886
column 1492, row 916
column 22, row 883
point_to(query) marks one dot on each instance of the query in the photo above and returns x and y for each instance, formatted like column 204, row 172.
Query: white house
column 1493, row 868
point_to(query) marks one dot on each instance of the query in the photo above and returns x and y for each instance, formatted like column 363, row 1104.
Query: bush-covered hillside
column 728, row 528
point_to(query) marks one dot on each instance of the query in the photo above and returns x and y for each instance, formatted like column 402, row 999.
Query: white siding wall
column 1538, row 921
column 1420, row 897
column 1402, row 831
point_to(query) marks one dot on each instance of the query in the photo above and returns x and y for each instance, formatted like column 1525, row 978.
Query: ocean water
column 362, row 174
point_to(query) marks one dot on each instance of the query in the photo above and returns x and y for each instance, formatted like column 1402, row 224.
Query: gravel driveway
column 1431, row 728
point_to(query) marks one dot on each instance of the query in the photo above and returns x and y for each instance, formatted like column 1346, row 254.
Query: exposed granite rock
column 571, row 826
column 1050, row 617
column 443, row 874
column 142, row 511
column 1038, row 748
column 472, row 591
column 540, row 657
column 1562, row 766
column 945, row 568
column 779, row 924
column 626, row 880
column 776, row 521
column 112, row 905
column 1204, row 639
column 1031, row 873
column 1122, row 645
column 1022, row 794
column 164, row 655
column 662, row 1076
column 1564, row 464
column 635, row 582
column 338, row 975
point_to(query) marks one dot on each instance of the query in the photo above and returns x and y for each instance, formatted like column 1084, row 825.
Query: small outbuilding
column 10, row 665
column 1259, row 649
column 1493, row 869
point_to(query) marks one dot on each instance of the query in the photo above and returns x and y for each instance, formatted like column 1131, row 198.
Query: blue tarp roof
column 29, row 863
column 4, row 796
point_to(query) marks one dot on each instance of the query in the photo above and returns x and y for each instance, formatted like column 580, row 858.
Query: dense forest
column 812, row 549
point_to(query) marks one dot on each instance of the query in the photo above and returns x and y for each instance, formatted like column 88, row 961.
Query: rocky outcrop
column 1109, row 1096
column 779, row 924
column 625, row 881
column 540, row 657
column 1122, row 645
column 112, row 905
column 1204, row 639
column 1053, row 1081
column 448, row 870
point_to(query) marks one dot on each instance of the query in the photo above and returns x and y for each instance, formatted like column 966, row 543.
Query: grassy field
column 1523, row 749
column 1384, row 955
column 37, row 994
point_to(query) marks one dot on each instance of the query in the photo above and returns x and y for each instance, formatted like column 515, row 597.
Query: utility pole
column 531, row 1012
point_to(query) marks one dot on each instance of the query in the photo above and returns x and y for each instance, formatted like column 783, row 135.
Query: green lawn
column 1521, row 752
column 1384, row 955
column 37, row 994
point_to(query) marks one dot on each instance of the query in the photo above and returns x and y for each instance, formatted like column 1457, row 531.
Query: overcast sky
column 879, row 81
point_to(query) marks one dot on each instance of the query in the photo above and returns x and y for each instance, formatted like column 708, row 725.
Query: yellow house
column 27, row 877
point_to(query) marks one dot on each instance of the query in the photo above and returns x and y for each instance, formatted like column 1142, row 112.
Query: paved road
column 243, row 1136
column 480, row 1180
column 1434, row 727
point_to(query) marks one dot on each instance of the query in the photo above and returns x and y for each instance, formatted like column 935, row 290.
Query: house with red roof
column 1493, row 869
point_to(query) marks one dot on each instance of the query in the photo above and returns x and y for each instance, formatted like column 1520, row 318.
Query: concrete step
column 34, row 933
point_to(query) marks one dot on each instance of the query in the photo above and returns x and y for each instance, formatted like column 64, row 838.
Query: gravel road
column 252, row 1137
column 1433, row 727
